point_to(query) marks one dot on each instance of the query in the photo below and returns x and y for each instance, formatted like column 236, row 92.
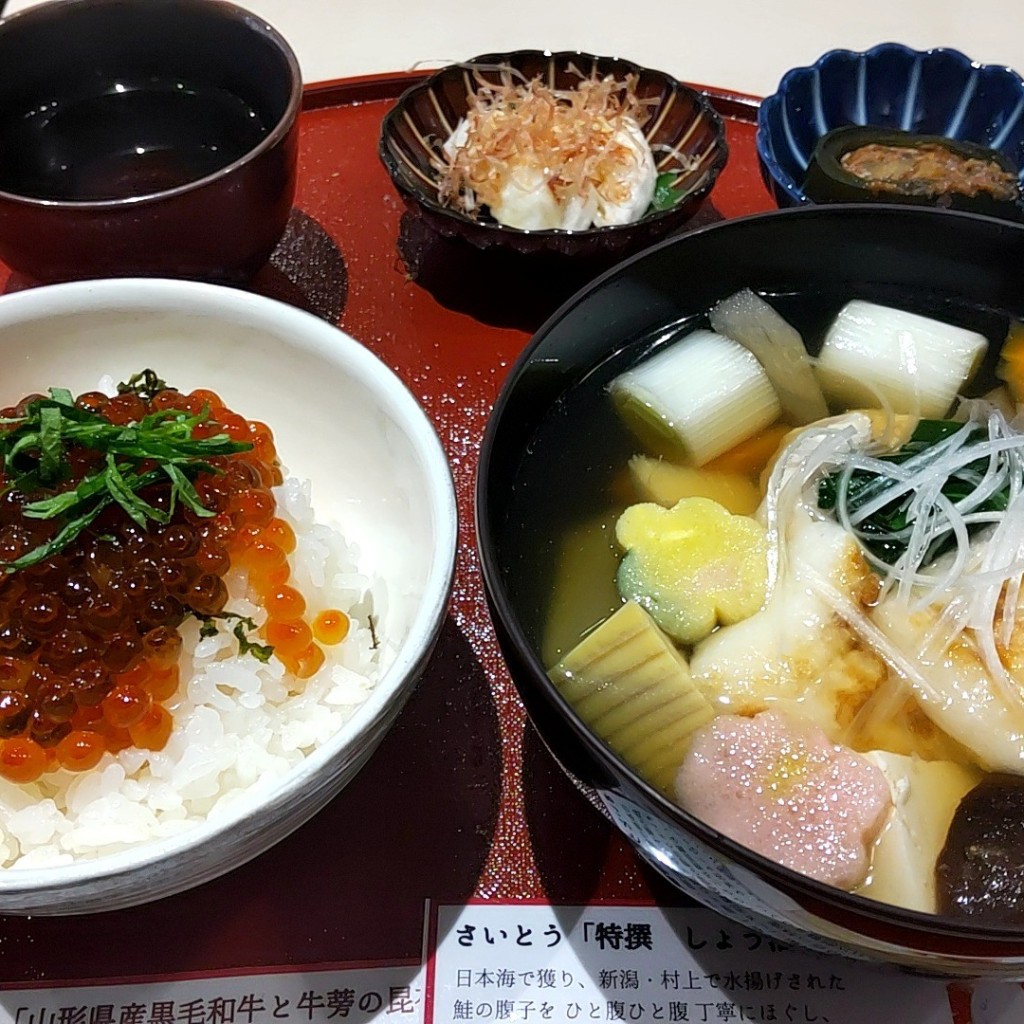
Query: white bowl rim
column 320, row 336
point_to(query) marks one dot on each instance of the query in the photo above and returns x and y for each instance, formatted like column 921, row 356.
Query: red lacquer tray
column 461, row 800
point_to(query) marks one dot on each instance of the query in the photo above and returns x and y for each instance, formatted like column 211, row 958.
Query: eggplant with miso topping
column 865, row 163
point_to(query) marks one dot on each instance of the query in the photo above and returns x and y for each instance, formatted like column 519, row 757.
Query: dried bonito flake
column 540, row 158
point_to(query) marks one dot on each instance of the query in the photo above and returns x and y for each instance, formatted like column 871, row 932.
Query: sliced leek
column 907, row 363
column 747, row 318
column 696, row 397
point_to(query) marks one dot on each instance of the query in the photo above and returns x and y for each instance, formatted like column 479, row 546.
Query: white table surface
column 744, row 45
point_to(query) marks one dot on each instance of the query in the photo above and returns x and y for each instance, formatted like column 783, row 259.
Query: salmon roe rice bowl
column 157, row 582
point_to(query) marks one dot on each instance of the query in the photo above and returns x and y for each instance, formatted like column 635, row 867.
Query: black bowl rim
column 820, row 892
column 278, row 132
column 763, row 139
column 694, row 196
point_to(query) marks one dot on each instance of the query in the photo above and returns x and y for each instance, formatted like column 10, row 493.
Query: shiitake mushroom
column 980, row 872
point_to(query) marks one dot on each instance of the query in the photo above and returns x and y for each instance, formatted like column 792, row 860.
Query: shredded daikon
column 815, row 450
column 555, row 157
column 932, row 520
column 962, row 553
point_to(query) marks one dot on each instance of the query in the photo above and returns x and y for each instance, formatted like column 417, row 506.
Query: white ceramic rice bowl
column 342, row 420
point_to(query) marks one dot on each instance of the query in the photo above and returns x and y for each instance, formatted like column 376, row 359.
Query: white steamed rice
column 239, row 727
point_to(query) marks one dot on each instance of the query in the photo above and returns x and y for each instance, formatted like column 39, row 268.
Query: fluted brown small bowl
column 112, row 162
column 683, row 129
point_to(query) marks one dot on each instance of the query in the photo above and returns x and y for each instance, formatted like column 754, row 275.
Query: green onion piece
column 51, row 446
column 208, row 627
column 34, row 452
column 145, row 384
column 62, row 396
column 666, row 195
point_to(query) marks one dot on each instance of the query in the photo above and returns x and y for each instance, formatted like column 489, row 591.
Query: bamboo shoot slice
column 628, row 682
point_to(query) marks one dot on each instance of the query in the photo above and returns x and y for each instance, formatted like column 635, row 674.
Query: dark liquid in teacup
column 129, row 138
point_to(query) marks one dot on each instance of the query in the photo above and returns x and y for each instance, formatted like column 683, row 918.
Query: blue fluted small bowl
column 929, row 92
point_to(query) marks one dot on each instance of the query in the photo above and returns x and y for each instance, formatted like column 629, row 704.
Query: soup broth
column 573, row 487
column 572, row 484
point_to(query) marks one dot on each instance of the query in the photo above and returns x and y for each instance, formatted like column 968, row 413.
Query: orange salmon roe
column 280, row 533
column 21, row 760
column 308, row 661
column 284, row 603
column 81, row 750
column 154, row 729
column 126, row 704
column 162, row 683
column 289, row 636
column 331, row 626
column 89, row 637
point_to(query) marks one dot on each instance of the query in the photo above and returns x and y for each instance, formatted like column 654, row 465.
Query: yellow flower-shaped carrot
column 693, row 567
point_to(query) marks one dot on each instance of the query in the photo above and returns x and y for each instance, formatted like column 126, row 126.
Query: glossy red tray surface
column 461, row 800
